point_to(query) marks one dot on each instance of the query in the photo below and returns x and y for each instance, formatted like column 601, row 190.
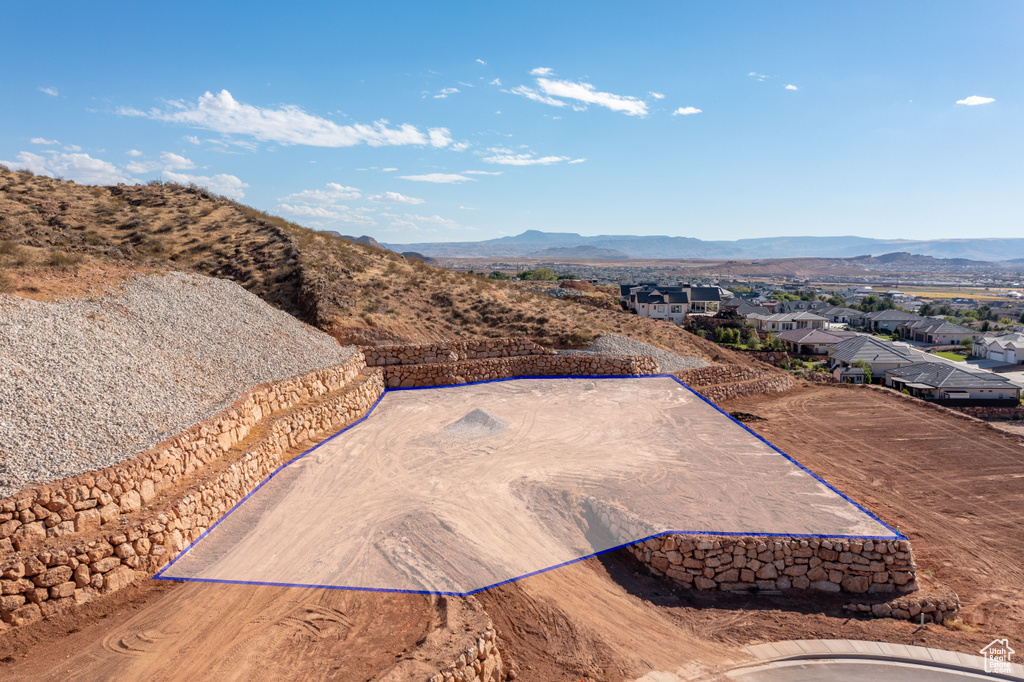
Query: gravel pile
column 86, row 384
column 613, row 345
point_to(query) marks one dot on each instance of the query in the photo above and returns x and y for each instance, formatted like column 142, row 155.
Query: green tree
column 751, row 340
column 866, row 366
column 1021, row 320
column 498, row 275
column 985, row 326
column 836, row 300
column 543, row 274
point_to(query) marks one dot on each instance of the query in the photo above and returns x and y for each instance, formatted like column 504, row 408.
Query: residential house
column 838, row 315
column 935, row 332
column 781, row 322
column 741, row 308
column 671, row 302
column 798, row 306
column 1008, row 348
column 813, row 341
column 884, row 320
column 880, row 355
column 946, row 384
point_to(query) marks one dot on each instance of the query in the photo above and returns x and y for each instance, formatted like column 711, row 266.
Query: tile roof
column 871, row 349
column 815, row 336
column 944, row 375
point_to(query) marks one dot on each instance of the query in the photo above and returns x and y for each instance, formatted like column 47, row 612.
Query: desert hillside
column 59, row 238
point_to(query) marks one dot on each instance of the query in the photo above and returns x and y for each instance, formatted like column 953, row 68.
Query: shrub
column 63, row 259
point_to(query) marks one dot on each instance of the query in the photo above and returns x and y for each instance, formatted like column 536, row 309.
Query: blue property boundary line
column 897, row 535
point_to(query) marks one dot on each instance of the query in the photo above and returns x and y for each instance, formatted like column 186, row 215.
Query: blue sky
column 444, row 121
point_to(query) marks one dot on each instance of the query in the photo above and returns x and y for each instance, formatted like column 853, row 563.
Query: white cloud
column 577, row 161
column 139, row 167
column 975, row 100
column 460, row 146
column 78, row 167
column 226, row 185
column 133, row 152
column 686, row 111
column 542, row 71
column 550, row 90
column 307, row 211
column 480, row 61
column 758, row 76
column 440, row 137
column 792, row 87
column 656, row 95
column 43, row 140
column 52, row 92
column 524, row 159
column 323, row 197
column 442, row 178
column 192, row 139
column 530, row 93
column 496, row 81
column 388, row 170
column 72, row 148
column 394, row 198
column 411, row 221
column 175, row 162
column 476, row 172
column 288, row 124
column 445, row 92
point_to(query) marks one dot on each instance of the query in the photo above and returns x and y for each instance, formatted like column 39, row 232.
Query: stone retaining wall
column 380, row 356
column 720, row 383
column 741, row 564
column 98, row 499
column 447, row 373
column 993, row 412
column 480, row 662
column 70, row 570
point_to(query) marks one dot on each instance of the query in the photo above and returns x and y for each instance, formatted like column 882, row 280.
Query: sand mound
column 477, row 424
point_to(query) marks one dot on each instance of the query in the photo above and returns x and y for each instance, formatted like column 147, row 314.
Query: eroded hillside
column 60, row 238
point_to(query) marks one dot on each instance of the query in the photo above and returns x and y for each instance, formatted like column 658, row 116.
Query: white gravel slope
column 613, row 345
column 86, row 384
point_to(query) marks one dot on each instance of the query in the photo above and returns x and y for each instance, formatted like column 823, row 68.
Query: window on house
column 677, row 309
column 660, row 308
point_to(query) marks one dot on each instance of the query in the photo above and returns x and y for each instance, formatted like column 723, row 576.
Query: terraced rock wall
column 720, row 383
column 93, row 557
column 380, row 356
column 447, row 373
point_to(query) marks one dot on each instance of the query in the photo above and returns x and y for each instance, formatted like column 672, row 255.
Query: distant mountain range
column 537, row 244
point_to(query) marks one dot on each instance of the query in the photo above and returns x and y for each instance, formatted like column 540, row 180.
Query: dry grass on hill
column 59, row 238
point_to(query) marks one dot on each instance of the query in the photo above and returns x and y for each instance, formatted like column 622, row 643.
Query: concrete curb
column 847, row 649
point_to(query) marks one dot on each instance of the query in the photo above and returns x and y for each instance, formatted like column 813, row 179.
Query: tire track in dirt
column 952, row 485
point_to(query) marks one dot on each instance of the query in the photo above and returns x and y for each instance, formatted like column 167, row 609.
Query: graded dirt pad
column 455, row 489
column 955, row 487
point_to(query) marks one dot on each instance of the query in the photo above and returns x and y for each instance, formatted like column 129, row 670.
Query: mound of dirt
column 477, row 424
column 578, row 285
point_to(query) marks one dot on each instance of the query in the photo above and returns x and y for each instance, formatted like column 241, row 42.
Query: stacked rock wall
column 447, row 373
column 99, row 499
column 380, row 356
column 480, row 662
column 720, row 383
column 95, row 559
column 993, row 412
column 743, row 564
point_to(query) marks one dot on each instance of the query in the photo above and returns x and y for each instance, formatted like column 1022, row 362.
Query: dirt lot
column 457, row 488
column 955, row 487
column 952, row 485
